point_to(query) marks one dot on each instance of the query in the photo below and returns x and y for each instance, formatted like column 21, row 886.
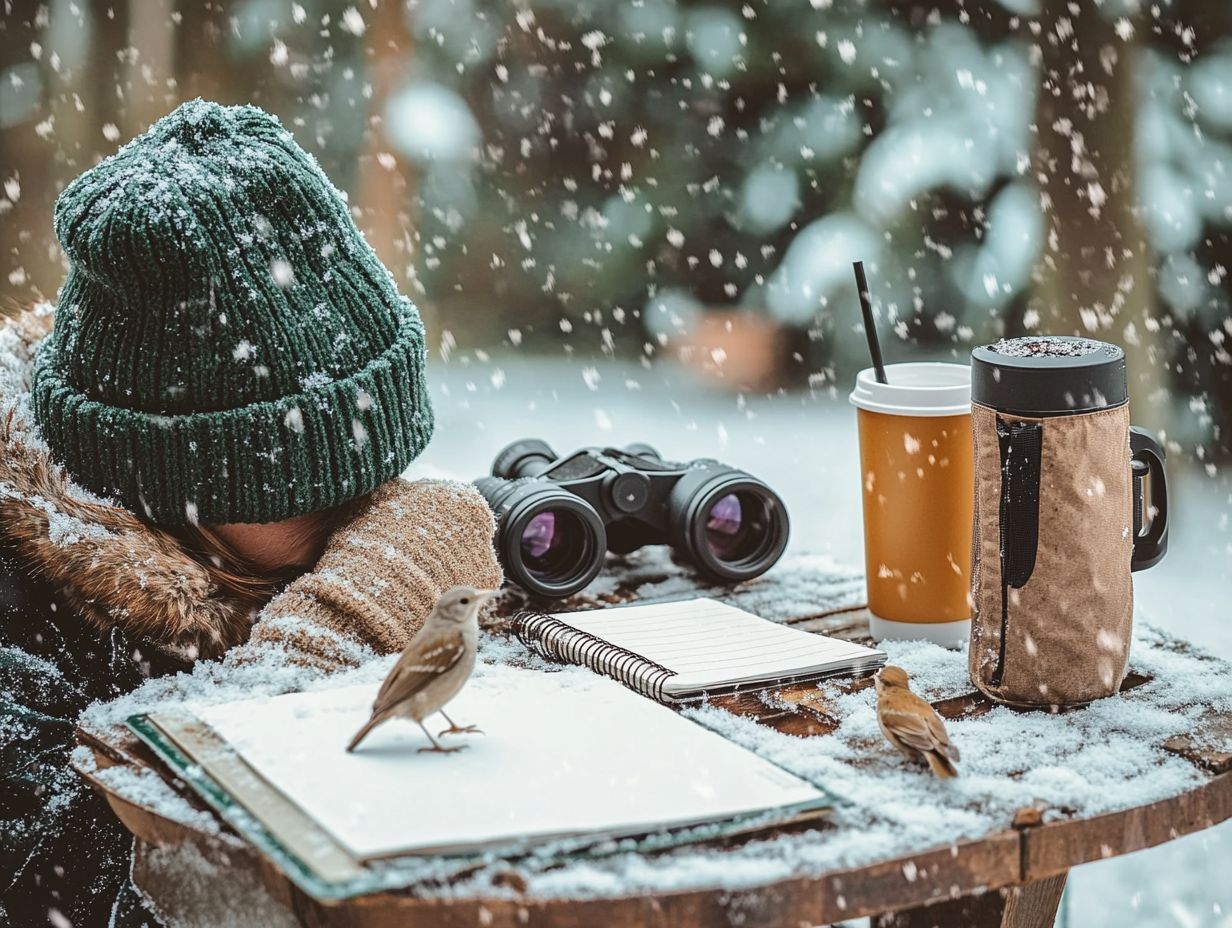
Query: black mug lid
column 1048, row 375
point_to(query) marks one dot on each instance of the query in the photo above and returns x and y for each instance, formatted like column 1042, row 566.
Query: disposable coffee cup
column 917, row 479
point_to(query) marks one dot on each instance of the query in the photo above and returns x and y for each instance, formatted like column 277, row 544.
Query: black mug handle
column 1147, row 462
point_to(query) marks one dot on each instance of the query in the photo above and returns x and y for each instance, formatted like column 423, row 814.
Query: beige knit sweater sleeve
column 382, row 572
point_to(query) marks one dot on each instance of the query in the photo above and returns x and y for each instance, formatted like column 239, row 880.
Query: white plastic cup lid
column 916, row 388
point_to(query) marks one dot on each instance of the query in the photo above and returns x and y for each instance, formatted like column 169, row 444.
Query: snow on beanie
column 227, row 346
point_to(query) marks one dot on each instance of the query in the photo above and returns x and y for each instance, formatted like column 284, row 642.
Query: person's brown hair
column 230, row 569
column 234, row 572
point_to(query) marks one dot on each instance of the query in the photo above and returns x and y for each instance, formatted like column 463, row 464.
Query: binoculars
column 556, row 517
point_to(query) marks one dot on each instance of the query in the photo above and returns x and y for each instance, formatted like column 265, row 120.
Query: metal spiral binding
column 558, row 640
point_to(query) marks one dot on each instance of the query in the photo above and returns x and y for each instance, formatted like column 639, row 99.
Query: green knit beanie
column 227, row 347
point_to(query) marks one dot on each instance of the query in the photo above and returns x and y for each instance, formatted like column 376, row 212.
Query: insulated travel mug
column 1068, row 501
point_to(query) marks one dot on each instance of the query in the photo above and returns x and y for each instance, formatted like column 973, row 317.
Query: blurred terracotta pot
column 736, row 349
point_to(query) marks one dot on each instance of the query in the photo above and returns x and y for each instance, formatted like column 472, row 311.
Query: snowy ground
column 805, row 447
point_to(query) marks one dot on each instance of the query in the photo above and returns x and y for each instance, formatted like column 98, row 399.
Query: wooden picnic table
column 1012, row 876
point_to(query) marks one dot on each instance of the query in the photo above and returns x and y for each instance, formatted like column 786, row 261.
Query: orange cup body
column 918, row 490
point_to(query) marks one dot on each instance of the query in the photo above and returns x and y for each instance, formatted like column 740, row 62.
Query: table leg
column 1032, row 905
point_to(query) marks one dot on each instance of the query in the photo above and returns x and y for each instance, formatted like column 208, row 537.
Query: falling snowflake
column 282, row 272
column 352, row 21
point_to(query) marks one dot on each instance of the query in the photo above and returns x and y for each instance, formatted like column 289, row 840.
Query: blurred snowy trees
column 608, row 173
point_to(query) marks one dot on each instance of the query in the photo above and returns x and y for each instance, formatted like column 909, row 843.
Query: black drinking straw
column 870, row 330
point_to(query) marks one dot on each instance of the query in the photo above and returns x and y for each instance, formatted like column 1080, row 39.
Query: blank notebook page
column 707, row 643
column 562, row 753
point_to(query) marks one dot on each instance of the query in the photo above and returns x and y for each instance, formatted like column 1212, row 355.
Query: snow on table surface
column 1104, row 757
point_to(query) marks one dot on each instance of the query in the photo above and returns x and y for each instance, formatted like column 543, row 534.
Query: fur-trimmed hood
column 113, row 569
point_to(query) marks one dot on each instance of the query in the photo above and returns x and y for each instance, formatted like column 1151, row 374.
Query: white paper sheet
column 707, row 643
column 567, row 752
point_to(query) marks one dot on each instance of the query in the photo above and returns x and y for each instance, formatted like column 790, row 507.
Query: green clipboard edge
column 403, row 873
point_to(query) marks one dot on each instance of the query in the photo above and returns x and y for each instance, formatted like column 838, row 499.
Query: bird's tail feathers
column 363, row 732
column 942, row 766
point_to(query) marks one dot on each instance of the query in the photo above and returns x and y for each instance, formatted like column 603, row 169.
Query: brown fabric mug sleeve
column 1062, row 636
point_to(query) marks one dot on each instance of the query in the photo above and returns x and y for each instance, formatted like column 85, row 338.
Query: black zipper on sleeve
column 1021, row 444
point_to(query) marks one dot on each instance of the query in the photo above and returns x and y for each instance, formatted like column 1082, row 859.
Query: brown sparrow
column 912, row 725
column 433, row 667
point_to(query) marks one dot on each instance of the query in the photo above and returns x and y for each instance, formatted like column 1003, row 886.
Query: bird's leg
column 436, row 748
column 453, row 728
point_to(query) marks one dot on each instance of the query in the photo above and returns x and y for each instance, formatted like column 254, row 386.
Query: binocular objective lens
column 552, row 542
column 539, row 535
column 723, row 525
column 736, row 526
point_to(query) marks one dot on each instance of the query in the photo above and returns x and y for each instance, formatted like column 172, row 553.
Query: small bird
column 912, row 725
column 433, row 667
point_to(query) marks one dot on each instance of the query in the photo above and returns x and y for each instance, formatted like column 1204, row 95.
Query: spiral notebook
column 681, row 651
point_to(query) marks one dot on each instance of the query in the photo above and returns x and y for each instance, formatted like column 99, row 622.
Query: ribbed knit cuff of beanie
column 227, row 346
column 381, row 575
